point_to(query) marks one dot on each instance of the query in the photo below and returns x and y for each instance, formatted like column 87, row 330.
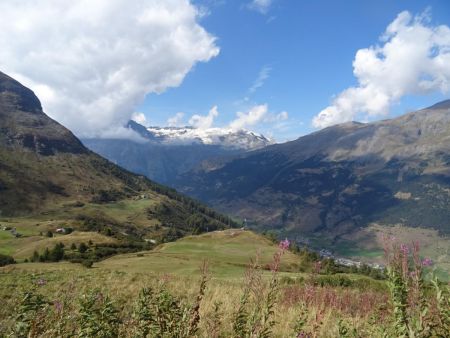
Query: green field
column 227, row 252
column 176, row 266
column 33, row 229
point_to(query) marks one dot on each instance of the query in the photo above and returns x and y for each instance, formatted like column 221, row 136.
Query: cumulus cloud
column 246, row 119
column 414, row 58
column 257, row 115
column 261, row 6
column 93, row 62
column 262, row 77
column 176, row 120
column 206, row 121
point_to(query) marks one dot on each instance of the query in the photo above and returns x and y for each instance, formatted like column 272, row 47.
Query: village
column 324, row 253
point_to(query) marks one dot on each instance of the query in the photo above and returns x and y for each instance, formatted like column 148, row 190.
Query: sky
column 283, row 68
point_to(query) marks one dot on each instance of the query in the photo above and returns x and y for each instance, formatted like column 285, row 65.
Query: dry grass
column 325, row 305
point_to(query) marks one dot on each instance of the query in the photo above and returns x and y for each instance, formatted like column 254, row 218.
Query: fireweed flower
column 427, row 262
column 284, row 244
column 404, row 249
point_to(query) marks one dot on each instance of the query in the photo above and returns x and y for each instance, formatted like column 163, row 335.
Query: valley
column 72, row 220
column 224, row 169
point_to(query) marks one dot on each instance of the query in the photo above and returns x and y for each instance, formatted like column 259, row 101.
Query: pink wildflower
column 404, row 249
column 303, row 334
column 427, row 262
column 284, row 244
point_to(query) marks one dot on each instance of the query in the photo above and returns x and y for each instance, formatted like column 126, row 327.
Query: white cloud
column 262, row 77
column 413, row 59
column 204, row 122
column 140, row 118
column 254, row 116
column 176, row 120
column 93, row 62
column 283, row 116
column 257, row 116
column 261, row 6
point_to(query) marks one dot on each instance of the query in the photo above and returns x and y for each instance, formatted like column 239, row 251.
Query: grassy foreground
column 163, row 293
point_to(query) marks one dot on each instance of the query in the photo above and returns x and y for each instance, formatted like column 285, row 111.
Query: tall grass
column 261, row 305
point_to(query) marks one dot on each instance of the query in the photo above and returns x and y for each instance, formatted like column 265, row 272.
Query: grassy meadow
column 176, row 266
column 57, row 299
column 307, row 300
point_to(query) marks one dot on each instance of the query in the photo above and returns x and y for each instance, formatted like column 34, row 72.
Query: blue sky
column 280, row 67
column 302, row 53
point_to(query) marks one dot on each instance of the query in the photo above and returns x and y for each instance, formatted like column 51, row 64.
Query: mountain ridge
column 340, row 178
column 165, row 153
column 46, row 173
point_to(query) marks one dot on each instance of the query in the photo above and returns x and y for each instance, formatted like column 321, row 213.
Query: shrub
column 82, row 248
column 98, row 316
column 161, row 314
column 57, row 253
column 54, row 255
column 87, row 263
column 29, row 313
column 6, row 260
column 35, row 257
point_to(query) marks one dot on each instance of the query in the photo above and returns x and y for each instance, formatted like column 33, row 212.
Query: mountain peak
column 25, row 125
column 12, row 93
column 223, row 137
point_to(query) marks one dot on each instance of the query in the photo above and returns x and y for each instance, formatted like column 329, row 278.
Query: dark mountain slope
column 342, row 177
column 23, row 123
column 42, row 162
column 45, row 168
column 162, row 163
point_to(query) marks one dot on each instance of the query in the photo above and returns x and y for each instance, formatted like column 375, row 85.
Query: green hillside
column 227, row 252
column 49, row 180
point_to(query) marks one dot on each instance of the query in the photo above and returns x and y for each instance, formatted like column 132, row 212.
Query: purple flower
column 284, row 244
column 404, row 249
column 427, row 262
column 303, row 334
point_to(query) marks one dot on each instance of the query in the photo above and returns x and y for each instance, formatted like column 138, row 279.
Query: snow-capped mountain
column 224, row 137
column 168, row 152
